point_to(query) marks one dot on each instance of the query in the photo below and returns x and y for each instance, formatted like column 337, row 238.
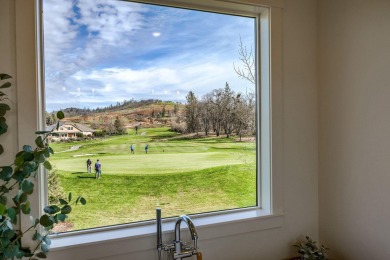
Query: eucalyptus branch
column 37, row 246
column 26, row 164
column 10, row 188
column 22, row 234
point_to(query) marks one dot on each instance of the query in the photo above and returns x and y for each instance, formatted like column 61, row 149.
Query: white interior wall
column 300, row 181
column 354, row 123
column 7, row 65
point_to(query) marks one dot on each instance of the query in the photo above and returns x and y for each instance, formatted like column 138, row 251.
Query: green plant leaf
column 28, row 156
column 4, row 242
column 3, row 209
column 1, row 149
column 66, row 209
column 30, row 167
column 61, row 217
column 47, row 165
column 83, row 201
column 47, row 240
column 3, row 200
column 27, row 148
column 3, row 127
column 19, row 198
column 47, row 152
column 8, row 233
column 5, row 106
column 12, row 215
column 6, row 85
column 63, row 202
column 27, row 186
column 70, row 196
column 39, row 142
column 19, row 159
column 42, row 132
column 46, row 221
column 60, row 115
column 26, row 208
column 39, row 157
column 11, row 251
column 41, row 255
column 52, row 209
column 44, row 248
column 6, row 173
column 4, row 76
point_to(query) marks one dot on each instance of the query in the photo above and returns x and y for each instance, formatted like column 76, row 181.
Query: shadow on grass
column 87, row 177
column 80, row 173
column 84, row 175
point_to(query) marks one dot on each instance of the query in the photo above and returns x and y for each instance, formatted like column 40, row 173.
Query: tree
column 248, row 60
column 119, row 126
column 228, row 110
column 192, row 113
column 206, row 113
column 163, row 111
column 175, row 109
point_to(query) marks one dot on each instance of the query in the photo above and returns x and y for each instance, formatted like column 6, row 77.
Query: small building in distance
column 69, row 130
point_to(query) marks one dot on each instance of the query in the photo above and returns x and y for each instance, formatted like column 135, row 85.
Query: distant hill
column 144, row 113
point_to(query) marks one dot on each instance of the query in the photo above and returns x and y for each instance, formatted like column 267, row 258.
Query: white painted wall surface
column 7, row 65
column 300, row 182
column 354, row 124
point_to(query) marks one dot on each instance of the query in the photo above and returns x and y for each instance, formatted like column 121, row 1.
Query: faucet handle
column 168, row 247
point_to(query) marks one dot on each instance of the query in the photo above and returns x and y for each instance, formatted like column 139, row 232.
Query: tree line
column 221, row 111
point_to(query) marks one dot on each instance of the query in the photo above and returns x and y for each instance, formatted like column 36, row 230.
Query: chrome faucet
column 181, row 252
column 178, row 249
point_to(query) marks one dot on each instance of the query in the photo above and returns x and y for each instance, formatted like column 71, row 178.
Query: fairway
column 180, row 174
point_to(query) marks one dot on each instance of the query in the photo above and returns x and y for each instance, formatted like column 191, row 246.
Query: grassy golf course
column 180, row 174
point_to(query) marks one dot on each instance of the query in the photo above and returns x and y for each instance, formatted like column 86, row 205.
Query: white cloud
column 103, row 51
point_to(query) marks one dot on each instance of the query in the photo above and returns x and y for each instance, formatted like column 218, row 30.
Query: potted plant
column 16, row 186
column 309, row 250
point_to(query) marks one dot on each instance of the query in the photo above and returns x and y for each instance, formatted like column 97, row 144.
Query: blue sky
column 100, row 52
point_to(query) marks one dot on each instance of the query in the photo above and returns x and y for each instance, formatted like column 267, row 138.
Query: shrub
column 55, row 191
column 179, row 127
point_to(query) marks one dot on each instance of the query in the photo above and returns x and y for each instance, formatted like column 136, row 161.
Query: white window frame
column 135, row 237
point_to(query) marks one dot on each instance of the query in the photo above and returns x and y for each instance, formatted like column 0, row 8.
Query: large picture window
column 161, row 105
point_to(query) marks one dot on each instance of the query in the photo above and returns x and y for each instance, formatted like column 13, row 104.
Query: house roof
column 81, row 127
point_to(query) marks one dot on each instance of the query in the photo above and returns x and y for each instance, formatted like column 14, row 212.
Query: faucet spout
column 194, row 236
column 178, row 249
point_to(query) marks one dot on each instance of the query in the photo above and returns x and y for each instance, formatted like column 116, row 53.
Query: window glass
column 163, row 100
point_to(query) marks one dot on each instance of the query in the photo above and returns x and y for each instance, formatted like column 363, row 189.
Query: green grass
column 180, row 175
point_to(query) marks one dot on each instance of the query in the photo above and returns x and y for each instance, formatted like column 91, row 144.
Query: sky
column 100, row 52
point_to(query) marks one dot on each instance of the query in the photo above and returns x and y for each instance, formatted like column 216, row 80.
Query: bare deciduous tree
column 248, row 62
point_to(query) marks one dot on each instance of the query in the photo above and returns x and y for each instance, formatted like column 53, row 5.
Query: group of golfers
column 98, row 166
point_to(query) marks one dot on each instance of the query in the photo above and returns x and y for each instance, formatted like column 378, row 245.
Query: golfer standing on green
column 98, row 169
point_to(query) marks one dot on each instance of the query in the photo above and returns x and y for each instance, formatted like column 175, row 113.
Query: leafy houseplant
column 15, row 188
column 310, row 251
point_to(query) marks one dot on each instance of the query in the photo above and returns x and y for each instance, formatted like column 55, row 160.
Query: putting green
column 151, row 163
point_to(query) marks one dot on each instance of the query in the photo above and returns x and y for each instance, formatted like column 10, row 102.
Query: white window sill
column 138, row 237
